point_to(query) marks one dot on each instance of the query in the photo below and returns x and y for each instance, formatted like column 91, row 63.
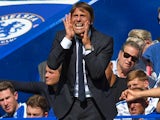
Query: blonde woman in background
column 144, row 39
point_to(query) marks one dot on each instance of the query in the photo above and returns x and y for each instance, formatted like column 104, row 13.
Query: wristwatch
column 91, row 48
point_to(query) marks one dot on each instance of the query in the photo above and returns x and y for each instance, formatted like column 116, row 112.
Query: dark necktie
column 81, row 90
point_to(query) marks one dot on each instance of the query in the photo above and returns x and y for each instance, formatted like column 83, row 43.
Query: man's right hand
column 68, row 27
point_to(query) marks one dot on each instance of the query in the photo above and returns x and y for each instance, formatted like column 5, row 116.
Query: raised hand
column 129, row 95
column 85, row 36
column 68, row 26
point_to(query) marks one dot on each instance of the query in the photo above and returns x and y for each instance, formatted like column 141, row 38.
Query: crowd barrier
column 48, row 118
column 154, row 116
column 135, row 117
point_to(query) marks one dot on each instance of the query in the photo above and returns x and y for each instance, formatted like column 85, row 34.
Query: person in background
column 42, row 71
column 9, row 101
column 144, row 36
column 97, row 50
column 47, row 88
column 136, row 79
column 117, row 71
column 137, row 106
column 117, row 84
column 144, row 39
column 151, row 55
column 37, row 106
column 154, row 92
column 127, row 58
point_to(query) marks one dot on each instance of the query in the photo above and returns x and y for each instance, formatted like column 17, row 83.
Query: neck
column 121, row 72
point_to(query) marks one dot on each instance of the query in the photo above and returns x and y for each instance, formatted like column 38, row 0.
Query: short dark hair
column 7, row 85
column 38, row 101
column 84, row 6
column 132, row 44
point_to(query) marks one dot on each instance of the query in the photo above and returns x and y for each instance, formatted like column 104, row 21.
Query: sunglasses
column 133, row 58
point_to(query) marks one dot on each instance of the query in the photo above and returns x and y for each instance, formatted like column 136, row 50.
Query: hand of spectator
column 129, row 95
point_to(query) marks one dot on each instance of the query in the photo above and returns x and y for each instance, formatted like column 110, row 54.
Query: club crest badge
column 17, row 24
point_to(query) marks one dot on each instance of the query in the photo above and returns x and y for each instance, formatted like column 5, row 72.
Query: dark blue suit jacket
column 96, row 63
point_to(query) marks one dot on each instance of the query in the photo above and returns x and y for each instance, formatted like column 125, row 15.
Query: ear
column 146, row 83
column 16, row 95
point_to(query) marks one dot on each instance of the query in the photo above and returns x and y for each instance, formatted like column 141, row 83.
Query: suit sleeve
column 57, row 52
column 98, row 60
column 29, row 87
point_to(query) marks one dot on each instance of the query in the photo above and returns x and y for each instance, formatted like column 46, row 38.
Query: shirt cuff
column 87, row 52
column 66, row 43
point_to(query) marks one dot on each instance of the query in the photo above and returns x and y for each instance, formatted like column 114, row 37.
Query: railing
column 153, row 116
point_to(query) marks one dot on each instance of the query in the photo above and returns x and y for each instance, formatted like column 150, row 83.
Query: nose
column 46, row 74
column 131, row 105
column 130, row 58
column 5, row 102
column 78, row 18
column 132, row 87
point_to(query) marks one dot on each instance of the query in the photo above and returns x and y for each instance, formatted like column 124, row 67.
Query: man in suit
column 97, row 52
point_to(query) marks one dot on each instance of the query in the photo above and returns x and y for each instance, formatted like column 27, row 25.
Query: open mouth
column 79, row 25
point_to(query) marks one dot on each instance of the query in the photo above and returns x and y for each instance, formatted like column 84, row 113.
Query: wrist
column 68, row 37
column 89, row 47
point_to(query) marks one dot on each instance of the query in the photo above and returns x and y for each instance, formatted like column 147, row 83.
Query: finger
column 87, row 26
column 69, row 18
column 65, row 20
column 86, row 31
column 122, row 96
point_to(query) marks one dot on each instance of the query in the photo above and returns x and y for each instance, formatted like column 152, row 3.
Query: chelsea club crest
column 17, row 24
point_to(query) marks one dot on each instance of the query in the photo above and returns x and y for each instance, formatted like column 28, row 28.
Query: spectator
column 137, row 79
column 144, row 39
column 117, row 84
column 37, row 106
column 117, row 71
column 137, row 106
column 140, row 42
column 42, row 71
column 152, row 57
column 144, row 36
column 9, row 103
column 46, row 89
column 97, row 52
column 127, row 58
column 154, row 92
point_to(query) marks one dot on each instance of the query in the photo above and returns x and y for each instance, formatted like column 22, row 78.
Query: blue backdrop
column 21, row 52
column 19, row 59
